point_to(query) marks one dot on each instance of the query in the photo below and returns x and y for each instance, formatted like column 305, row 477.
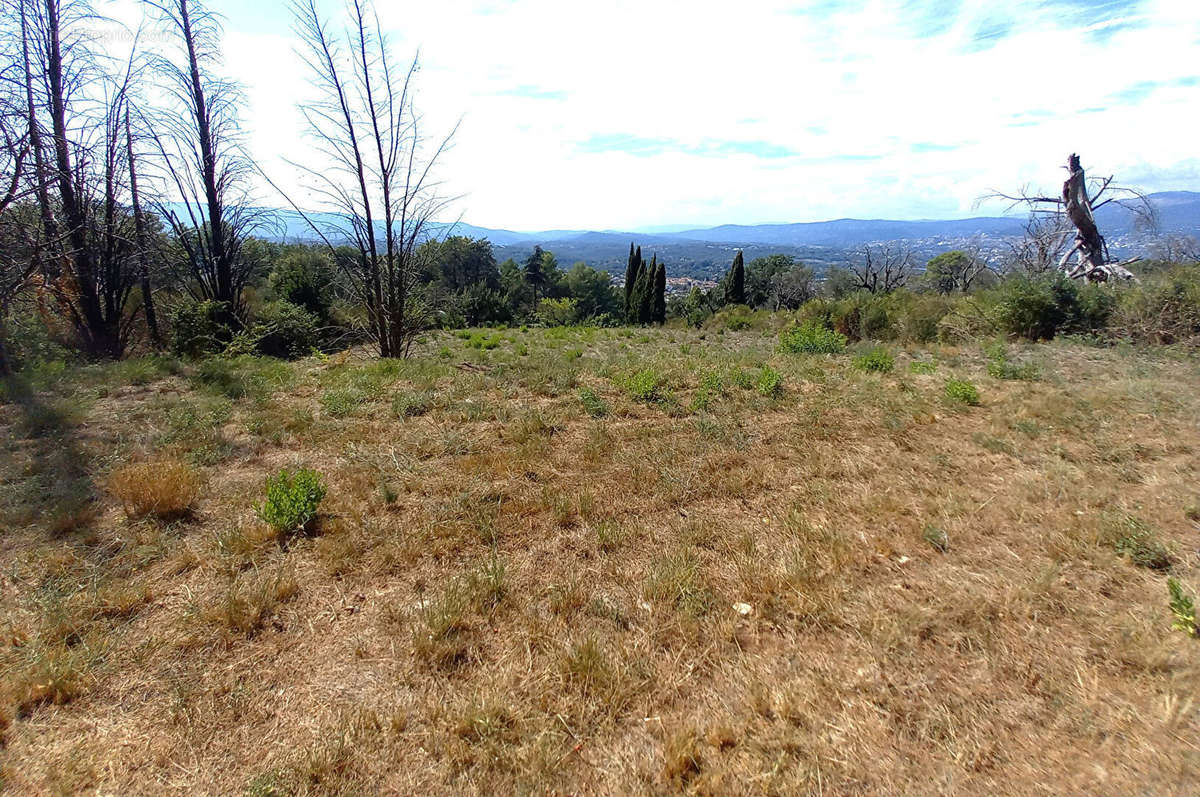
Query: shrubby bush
column 284, row 330
column 877, row 359
column 292, row 499
column 811, row 338
column 199, row 328
column 1164, row 308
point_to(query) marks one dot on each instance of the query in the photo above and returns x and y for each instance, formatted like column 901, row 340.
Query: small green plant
column 340, row 402
column 937, row 537
column 292, row 499
column 770, row 382
column 647, row 386
column 411, row 405
column 743, row 379
column 1139, row 543
column 592, row 403
column 878, row 360
column 962, row 391
column 811, row 338
column 922, row 366
column 1183, row 609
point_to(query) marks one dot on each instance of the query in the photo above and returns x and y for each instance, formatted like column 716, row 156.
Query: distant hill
column 707, row 251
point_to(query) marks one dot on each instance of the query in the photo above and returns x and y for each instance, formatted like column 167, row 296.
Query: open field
column 605, row 561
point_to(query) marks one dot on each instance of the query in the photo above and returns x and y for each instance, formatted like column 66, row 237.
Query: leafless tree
column 17, row 262
column 198, row 141
column 1040, row 248
column 1176, row 248
column 72, row 99
column 373, row 168
column 1077, row 205
column 791, row 288
column 882, row 268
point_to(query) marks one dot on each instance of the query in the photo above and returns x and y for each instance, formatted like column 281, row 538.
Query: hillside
column 603, row 561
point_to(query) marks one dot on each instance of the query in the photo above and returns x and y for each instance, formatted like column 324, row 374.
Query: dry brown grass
column 165, row 490
column 850, row 588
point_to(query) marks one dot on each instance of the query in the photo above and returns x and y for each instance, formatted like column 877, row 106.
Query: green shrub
column 878, row 360
column 809, row 338
column 1164, row 308
column 340, row 402
column 1042, row 307
column 863, row 316
column 284, row 330
column 292, row 499
column 200, row 328
column 592, row 403
column 743, row 379
column 922, row 366
column 770, row 382
column 962, row 391
column 647, row 386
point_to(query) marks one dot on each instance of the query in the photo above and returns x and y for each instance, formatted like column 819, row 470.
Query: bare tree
column 87, row 248
column 373, row 168
column 882, row 268
column 199, row 143
column 1077, row 204
column 1041, row 246
column 17, row 260
column 1176, row 248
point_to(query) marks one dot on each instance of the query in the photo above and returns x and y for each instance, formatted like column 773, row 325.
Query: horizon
column 881, row 110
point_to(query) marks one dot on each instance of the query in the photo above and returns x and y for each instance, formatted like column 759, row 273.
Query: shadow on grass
column 45, row 476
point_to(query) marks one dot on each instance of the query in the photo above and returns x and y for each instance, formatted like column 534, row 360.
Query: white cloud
column 832, row 85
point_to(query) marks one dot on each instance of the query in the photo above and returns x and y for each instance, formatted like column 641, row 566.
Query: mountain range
column 697, row 252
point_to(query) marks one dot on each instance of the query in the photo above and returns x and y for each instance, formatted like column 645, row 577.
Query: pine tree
column 659, row 313
column 735, row 281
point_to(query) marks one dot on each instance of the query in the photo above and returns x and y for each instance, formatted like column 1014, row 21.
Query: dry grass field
column 595, row 561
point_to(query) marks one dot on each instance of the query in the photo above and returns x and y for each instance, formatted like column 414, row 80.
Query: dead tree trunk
column 1092, row 260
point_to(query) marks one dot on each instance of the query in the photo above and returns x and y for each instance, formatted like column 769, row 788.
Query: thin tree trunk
column 143, row 248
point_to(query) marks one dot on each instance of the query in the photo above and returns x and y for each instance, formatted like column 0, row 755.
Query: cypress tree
column 630, row 277
column 643, row 293
column 659, row 314
column 735, row 281
column 631, row 274
column 535, row 275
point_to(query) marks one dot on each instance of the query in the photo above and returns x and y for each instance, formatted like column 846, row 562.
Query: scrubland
column 605, row 561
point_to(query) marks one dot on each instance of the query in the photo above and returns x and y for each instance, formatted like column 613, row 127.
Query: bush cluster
column 292, row 499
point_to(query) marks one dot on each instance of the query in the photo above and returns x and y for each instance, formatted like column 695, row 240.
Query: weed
column 341, row 402
column 250, row 601
column 292, row 499
column 1000, row 366
column 962, row 391
column 770, row 382
column 937, row 537
column 1139, row 543
column 164, row 490
column 1183, row 609
column 878, row 360
column 411, row 404
column 647, row 386
column 922, row 366
column 676, row 580
column 592, row 403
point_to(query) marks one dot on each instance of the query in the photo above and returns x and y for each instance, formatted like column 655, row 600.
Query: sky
column 639, row 115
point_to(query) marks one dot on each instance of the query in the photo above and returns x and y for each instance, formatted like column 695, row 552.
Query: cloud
column 767, row 111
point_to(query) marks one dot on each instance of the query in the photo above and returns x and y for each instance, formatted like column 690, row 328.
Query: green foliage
column 1183, row 609
column 304, row 278
column 592, row 403
column 557, row 312
column 770, row 382
column 658, row 310
column 811, row 338
column 1163, row 308
column 292, row 499
column 1139, row 543
column 200, row 328
column 962, row 391
column 922, row 366
column 735, row 281
column 647, row 386
column 484, row 341
column 877, row 359
column 1042, row 307
column 284, row 330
